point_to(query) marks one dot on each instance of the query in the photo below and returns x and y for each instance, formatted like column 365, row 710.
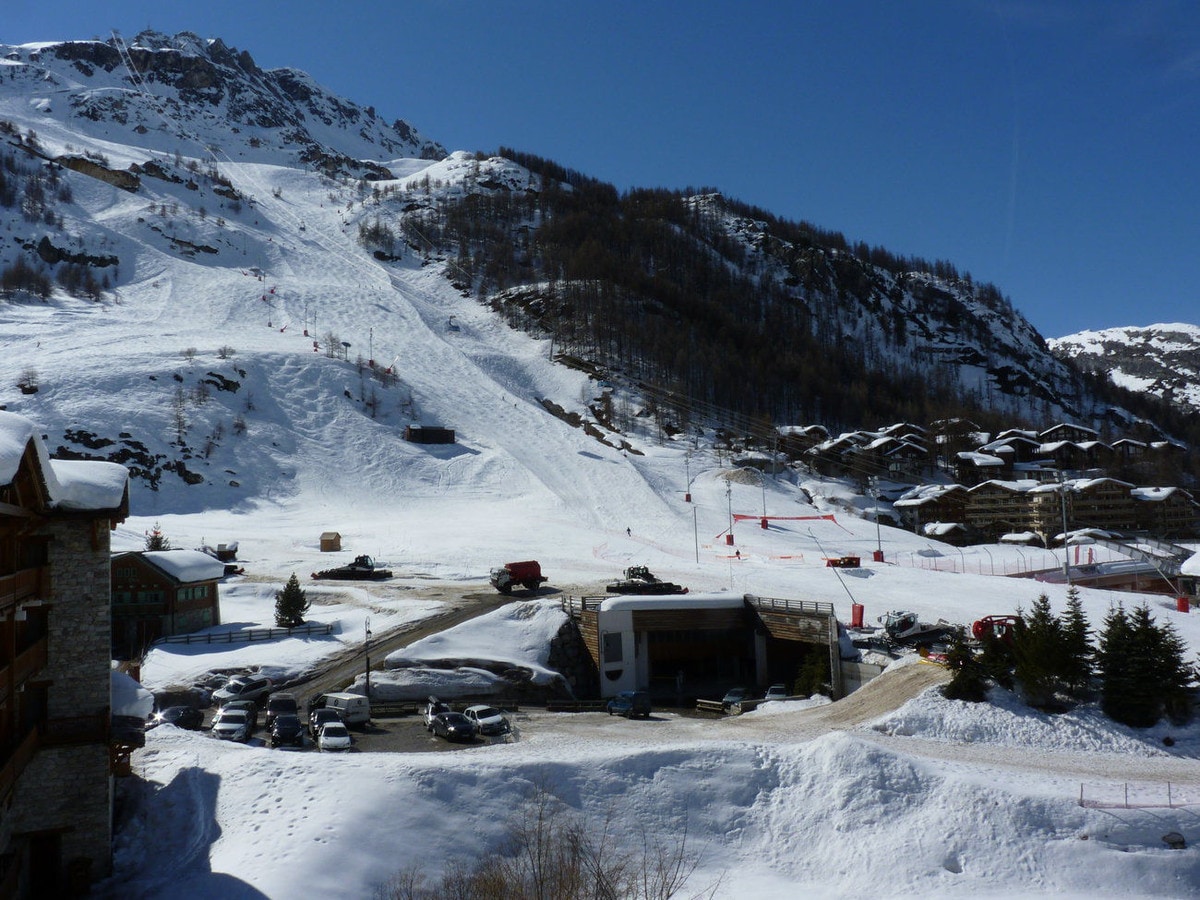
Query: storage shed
column 331, row 542
column 429, row 434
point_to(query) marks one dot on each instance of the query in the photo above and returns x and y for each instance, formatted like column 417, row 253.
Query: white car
column 233, row 725
column 487, row 720
column 243, row 687
column 333, row 736
column 776, row 692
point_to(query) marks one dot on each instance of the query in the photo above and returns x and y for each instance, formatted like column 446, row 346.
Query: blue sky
column 1048, row 147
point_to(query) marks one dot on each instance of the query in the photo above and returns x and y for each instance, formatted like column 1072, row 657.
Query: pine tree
column 1037, row 650
column 969, row 681
column 1076, row 666
column 290, row 604
column 1143, row 672
column 1117, row 688
column 156, row 540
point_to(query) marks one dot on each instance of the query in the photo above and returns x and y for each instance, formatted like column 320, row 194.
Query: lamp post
column 729, row 502
column 367, row 646
column 878, row 535
column 1062, row 491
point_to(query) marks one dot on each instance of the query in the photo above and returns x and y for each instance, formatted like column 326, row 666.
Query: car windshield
column 454, row 718
column 234, row 717
column 487, row 712
column 333, row 729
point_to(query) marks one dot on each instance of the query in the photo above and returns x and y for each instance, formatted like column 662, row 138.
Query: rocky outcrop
column 126, row 181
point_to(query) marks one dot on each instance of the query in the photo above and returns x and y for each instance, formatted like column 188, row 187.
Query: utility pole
column 878, row 535
column 367, row 646
column 729, row 501
column 1062, row 492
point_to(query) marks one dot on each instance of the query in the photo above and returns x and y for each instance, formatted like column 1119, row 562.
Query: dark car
column 281, row 704
column 287, row 731
column 735, row 696
column 180, row 716
column 453, row 727
column 319, row 717
column 630, row 704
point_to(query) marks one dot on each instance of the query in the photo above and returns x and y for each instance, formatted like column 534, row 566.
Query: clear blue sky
column 1049, row 147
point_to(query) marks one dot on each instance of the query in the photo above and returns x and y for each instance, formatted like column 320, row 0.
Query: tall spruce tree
column 1036, row 652
column 290, row 604
column 1076, row 662
column 1142, row 669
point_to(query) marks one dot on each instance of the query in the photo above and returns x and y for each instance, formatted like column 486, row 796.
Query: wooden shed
column 331, row 541
column 428, row 434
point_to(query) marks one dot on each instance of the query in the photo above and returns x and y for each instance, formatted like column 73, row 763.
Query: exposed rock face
column 183, row 80
column 126, row 181
column 1159, row 359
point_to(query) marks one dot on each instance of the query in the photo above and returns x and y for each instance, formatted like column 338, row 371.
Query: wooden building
column 158, row 593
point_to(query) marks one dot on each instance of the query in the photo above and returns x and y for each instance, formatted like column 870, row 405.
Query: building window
column 612, row 647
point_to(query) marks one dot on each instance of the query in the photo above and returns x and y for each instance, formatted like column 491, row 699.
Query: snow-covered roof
column 981, row 460
column 1155, row 494
column 677, row 601
column 1019, row 537
column 185, row 566
column 70, row 484
column 941, row 529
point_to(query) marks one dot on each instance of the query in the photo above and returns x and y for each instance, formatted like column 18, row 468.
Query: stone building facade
column 56, row 783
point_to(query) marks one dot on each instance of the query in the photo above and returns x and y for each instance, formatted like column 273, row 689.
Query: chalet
column 931, row 503
column 58, row 749
column 997, row 507
column 1103, row 503
column 1016, row 448
column 1062, row 455
column 1066, row 432
column 972, row 467
column 1165, row 511
column 158, row 593
column 795, row 440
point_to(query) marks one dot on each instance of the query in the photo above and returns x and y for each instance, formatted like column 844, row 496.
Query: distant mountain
column 1163, row 360
column 165, row 198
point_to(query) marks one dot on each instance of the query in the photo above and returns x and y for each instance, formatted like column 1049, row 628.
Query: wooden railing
column 27, row 663
column 21, row 585
column 247, row 636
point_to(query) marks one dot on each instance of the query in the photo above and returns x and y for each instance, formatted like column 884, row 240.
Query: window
column 612, row 647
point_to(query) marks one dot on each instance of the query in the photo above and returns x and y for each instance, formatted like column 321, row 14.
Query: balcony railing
column 23, row 585
column 18, row 759
column 27, row 663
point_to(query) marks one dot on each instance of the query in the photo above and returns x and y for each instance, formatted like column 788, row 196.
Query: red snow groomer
column 1002, row 628
column 528, row 574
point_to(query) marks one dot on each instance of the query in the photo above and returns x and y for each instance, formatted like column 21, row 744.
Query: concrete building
column 56, row 740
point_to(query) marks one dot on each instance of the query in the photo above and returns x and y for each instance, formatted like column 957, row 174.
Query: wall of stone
column 569, row 656
column 80, row 638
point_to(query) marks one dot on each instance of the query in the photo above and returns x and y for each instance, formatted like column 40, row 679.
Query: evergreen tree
column 1142, row 669
column 1117, row 688
column 290, row 604
column 1078, row 654
column 1037, row 650
column 969, row 681
column 156, row 540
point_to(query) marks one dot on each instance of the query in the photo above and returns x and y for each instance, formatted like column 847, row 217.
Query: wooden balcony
column 12, row 767
column 25, row 665
column 24, row 584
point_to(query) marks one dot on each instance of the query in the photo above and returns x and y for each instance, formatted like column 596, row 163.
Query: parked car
column 334, row 736
column 287, row 730
column 453, row 727
column 488, row 720
column 247, row 706
column 281, row 703
column 776, row 692
column 434, row 707
column 630, row 704
column 734, row 696
column 188, row 717
column 243, row 687
column 318, row 718
column 233, row 725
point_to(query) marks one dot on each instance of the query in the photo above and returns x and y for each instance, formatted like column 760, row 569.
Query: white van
column 355, row 709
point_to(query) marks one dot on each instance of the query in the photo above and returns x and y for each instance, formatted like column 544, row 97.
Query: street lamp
column 729, row 501
column 367, row 647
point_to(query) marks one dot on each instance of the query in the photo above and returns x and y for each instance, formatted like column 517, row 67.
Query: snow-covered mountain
column 169, row 186
column 1163, row 360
